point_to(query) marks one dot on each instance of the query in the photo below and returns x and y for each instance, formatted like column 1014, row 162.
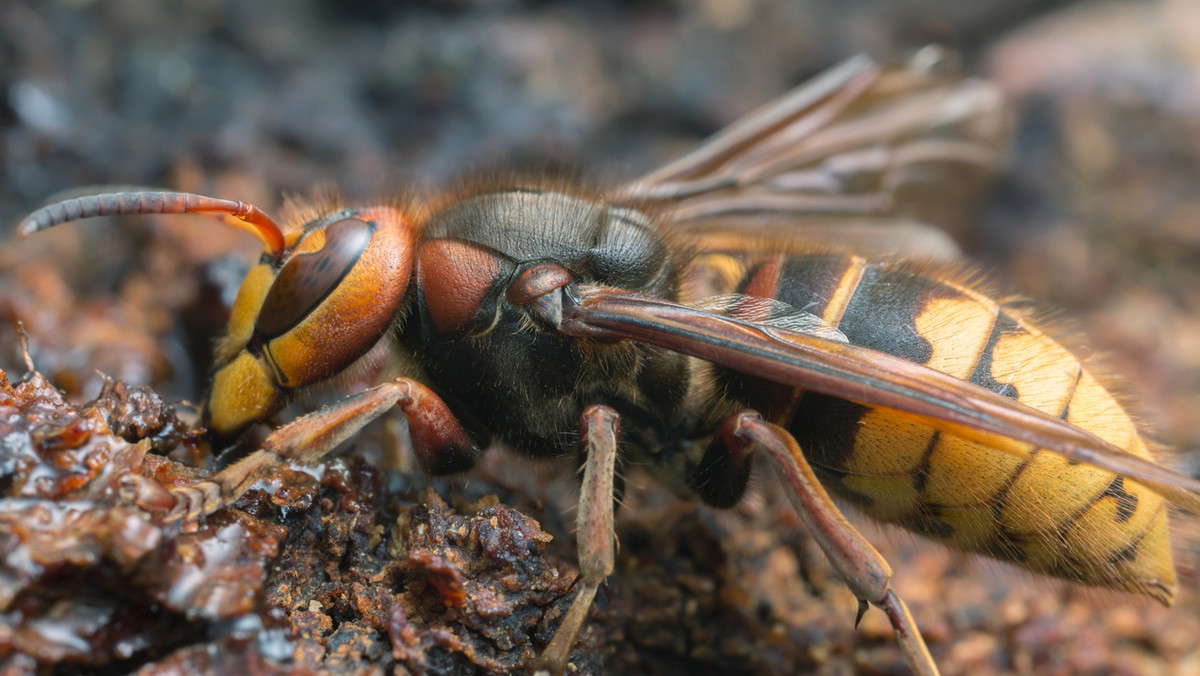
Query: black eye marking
column 307, row 279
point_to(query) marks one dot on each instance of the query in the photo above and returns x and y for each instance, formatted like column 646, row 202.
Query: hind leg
column 858, row 563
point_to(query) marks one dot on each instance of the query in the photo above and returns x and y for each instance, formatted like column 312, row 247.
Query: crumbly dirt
column 340, row 568
column 312, row 571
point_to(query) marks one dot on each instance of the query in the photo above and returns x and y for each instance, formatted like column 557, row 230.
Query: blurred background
column 1098, row 213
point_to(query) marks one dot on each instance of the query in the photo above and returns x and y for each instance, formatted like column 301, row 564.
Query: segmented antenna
column 248, row 216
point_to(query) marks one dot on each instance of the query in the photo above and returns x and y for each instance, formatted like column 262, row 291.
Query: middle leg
column 594, row 530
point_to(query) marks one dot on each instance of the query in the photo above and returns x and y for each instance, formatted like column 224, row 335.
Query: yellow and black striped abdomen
column 1046, row 513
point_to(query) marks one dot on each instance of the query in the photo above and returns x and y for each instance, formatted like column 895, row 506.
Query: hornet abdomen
column 1045, row 513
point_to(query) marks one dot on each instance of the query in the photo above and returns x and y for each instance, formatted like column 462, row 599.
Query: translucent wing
column 771, row 312
column 857, row 140
column 858, row 374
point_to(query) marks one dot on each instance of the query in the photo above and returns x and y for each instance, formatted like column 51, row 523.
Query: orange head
column 326, row 290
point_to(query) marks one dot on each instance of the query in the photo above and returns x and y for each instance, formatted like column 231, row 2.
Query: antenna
column 246, row 216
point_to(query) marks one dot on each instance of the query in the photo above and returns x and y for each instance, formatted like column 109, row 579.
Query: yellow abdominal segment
column 1045, row 513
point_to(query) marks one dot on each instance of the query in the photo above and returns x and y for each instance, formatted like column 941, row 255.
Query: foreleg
column 439, row 441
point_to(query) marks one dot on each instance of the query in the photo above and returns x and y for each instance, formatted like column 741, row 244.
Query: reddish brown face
column 335, row 296
column 456, row 277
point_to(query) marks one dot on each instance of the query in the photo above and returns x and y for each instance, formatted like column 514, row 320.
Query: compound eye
column 309, row 277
